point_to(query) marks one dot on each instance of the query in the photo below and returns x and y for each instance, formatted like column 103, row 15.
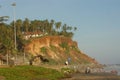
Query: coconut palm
column 18, row 24
column 26, row 24
column 58, row 25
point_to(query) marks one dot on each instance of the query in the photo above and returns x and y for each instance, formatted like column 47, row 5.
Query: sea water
column 114, row 67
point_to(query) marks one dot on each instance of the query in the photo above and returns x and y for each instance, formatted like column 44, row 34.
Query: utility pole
column 14, row 20
column 14, row 5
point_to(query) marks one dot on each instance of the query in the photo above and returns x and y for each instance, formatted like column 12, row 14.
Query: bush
column 67, row 72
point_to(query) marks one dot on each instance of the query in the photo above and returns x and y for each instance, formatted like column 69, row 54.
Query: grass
column 30, row 73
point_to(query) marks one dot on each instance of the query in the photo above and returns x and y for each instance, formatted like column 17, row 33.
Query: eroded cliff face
column 57, row 49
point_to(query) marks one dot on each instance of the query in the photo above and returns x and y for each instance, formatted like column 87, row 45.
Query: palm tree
column 75, row 28
column 64, row 28
column 40, row 25
column 45, row 26
column 3, row 18
column 26, row 24
column 8, row 45
column 51, row 24
column 18, row 26
column 32, row 26
column 6, row 40
column 58, row 25
column 69, row 28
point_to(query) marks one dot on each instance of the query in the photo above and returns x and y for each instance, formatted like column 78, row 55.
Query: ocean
column 112, row 67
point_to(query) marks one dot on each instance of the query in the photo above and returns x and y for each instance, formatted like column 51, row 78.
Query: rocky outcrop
column 57, row 50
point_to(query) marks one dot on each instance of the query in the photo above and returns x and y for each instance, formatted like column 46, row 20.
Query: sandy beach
column 93, row 76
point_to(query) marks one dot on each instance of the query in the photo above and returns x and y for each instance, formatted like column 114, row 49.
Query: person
column 30, row 62
column 66, row 63
column 87, row 70
column 69, row 60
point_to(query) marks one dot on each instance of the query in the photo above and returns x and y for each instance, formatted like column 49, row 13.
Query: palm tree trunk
column 7, row 58
column 16, row 59
column 24, row 57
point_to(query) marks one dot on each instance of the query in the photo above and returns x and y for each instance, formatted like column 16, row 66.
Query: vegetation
column 75, row 49
column 26, row 26
column 67, row 72
column 65, row 46
column 30, row 73
column 43, row 50
column 50, row 27
column 53, row 48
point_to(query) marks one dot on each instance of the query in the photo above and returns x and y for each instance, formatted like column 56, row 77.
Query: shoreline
column 97, row 73
column 79, row 73
column 92, row 76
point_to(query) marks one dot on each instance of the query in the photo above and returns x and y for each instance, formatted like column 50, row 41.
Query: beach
column 104, row 73
column 93, row 76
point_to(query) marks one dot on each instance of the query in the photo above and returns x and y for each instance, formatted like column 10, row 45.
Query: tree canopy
column 45, row 26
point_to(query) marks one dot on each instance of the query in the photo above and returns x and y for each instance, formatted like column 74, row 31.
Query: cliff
column 57, row 50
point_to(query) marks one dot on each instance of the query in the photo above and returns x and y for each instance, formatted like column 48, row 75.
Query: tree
column 18, row 26
column 46, row 25
column 69, row 28
column 64, row 28
column 3, row 18
column 75, row 28
column 58, row 25
column 8, row 46
column 51, row 24
column 33, row 26
column 6, row 40
column 26, row 24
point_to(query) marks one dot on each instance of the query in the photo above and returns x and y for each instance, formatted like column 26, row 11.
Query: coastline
column 92, row 76
column 98, row 72
column 79, row 72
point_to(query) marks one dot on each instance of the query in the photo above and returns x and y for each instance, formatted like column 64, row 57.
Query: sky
column 97, row 22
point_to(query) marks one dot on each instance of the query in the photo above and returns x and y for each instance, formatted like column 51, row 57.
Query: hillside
column 57, row 50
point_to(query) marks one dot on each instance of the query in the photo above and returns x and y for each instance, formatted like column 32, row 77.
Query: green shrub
column 43, row 50
column 53, row 48
column 75, row 48
column 67, row 70
column 65, row 46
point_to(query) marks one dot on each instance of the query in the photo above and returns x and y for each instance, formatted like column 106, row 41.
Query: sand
column 93, row 76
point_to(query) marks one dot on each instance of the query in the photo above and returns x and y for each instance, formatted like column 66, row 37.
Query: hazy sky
column 97, row 22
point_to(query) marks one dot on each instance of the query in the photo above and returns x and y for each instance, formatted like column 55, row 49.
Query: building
column 28, row 35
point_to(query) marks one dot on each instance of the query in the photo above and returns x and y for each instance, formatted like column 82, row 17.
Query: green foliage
column 52, row 62
column 65, row 46
column 29, row 73
column 3, row 18
column 53, row 48
column 75, row 49
column 22, row 26
column 43, row 50
column 67, row 71
column 51, row 27
column 6, row 39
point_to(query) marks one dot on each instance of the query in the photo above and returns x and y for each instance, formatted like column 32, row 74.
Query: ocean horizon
column 114, row 67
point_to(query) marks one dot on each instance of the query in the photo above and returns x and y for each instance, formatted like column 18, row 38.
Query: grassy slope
column 29, row 73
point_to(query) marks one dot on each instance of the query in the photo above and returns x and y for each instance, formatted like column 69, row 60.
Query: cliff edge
column 57, row 49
